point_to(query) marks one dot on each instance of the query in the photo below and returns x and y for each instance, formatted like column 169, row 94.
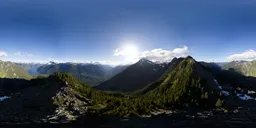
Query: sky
column 123, row 31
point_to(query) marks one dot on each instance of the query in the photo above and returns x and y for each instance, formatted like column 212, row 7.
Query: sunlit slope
column 247, row 68
column 11, row 70
column 188, row 85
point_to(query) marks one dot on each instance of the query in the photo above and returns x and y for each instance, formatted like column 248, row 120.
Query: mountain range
column 247, row 68
column 11, row 70
column 181, row 84
column 88, row 73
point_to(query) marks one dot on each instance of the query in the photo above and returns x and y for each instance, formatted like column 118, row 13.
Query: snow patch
column 226, row 93
column 251, row 92
column 244, row 96
column 217, row 84
column 3, row 98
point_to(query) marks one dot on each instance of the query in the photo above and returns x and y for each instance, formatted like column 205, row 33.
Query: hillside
column 91, row 74
column 247, row 68
column 31, row 68
column 59, row 97
column 11, row 70
column 188, row 85
column 134, row 77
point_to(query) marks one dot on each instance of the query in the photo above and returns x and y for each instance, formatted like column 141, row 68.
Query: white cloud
column 159, row 54
column 165, row 55
column 129, row 52
column 104, row 62
column 23, row 54
column 180, row 52
column 2, row 54
column 247, row 55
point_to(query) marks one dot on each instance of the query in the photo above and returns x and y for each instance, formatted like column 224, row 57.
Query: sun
column 131, row 52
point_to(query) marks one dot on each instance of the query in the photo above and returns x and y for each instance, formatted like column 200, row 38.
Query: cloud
column 165, row 55
column 23, row 54
column 103, row 62
column 159, row 54
column 129, row 52
column 247, row 55
column 2, row 54
column 118, row 52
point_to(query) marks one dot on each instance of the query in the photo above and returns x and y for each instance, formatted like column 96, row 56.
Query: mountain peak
column 52, row 62
column 175, row 58
column 144, row 60
column 187, row 82
column 190, row 57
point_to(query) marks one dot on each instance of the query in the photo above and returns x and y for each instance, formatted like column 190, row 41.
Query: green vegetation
column 188, row 85
column 219, row 103
column 134, row 77
column 247, row 68
column 11, row 70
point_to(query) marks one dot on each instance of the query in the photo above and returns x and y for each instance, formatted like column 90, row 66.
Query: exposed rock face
column 70, row 105
column 54, row 101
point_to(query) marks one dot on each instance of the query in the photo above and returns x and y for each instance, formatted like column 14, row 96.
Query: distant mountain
column 135, row 76
column 11, row 70
column 31, row 68
column 116, row 70
column 221, row 64
column 247, row 68
column 91, row 74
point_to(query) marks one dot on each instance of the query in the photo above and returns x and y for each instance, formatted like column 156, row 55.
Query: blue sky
column 91, row 30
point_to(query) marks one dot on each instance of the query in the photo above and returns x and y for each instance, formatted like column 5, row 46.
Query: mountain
column 116, row 70
column 188, row 85
column 247, row 68
column 212, row 67
column 58, row 97
column 31, row 68
column 185, row 84
column 134, row 77
column 91, row 74
column 221, row 64
column 11, row 70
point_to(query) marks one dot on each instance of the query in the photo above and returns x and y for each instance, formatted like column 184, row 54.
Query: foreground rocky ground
column 242, row 117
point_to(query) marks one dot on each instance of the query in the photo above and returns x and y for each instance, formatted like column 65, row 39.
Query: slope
column 59, row 97
column 91, row 74
column 171, row 66
column 188, row 85
column 247, row 68
column 134, row 77
column 31, row 68
column 11, row 70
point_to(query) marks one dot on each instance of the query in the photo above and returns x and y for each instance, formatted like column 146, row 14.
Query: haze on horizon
column 123, row 31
